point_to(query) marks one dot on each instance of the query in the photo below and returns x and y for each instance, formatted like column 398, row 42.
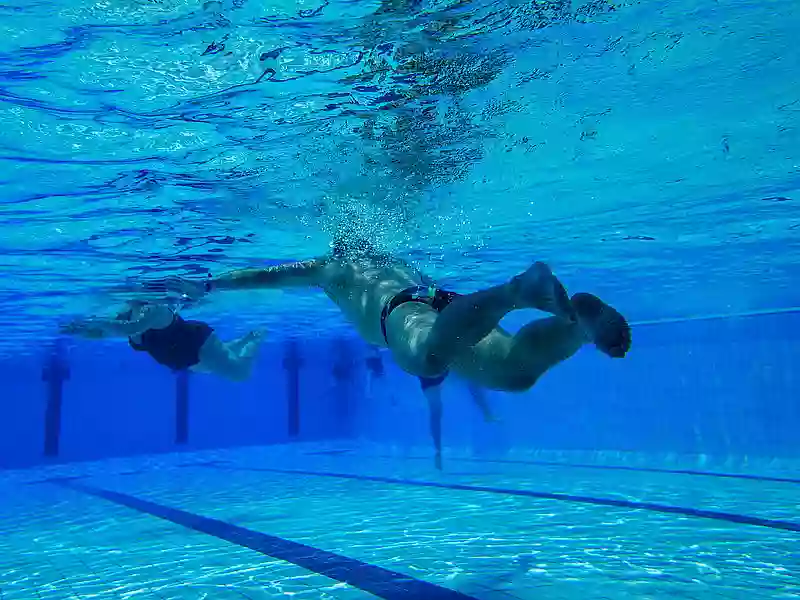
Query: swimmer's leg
column 424, row 342
column 538, row 347
column 247, row 345
column 469, row 319
column 542, row 344
column 217, row 358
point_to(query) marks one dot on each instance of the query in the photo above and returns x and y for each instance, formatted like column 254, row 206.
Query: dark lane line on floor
column 649, row 506
column 544, row 463
column 372, row 579
column 61, row 479
column 636, row 469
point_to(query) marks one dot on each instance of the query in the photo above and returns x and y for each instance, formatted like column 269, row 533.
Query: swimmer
column 431, row 331
column 172, row 341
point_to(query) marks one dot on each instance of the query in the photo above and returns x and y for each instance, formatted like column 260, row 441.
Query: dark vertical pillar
column 374, row 364
column 343, row 371
column 292, row 364
column 54, row 373
column 182, row 407
column 375, row 372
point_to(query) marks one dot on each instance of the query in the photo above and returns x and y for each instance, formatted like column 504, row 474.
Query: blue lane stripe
column 650, row 506
column 375, row 580
column 544, row 463
column 51, row 480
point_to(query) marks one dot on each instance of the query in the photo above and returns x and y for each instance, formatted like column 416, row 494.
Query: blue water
column 647, row 151
column 640, row 148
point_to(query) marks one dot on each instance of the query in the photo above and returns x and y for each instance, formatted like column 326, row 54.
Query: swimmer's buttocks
column 424, row 294
column 430, row 295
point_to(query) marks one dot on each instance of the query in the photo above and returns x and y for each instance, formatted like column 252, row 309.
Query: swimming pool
column 344, row 521
column 647, row 151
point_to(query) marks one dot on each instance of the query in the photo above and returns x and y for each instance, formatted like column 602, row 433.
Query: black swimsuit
column 433, row 297
column 176, row 346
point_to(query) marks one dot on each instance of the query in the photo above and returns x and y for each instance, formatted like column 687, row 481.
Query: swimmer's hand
column 438, row 461
column 193, row 289
column 83, row 329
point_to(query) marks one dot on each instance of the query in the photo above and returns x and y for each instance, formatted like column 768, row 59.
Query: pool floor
column 314, row 521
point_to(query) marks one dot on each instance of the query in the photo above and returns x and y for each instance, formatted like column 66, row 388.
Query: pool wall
column 718, row 387
column 114, row 402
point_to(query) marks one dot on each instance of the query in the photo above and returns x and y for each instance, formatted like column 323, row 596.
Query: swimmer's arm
column 307, row 273
column 95, row 327
column 83, row 329
column 433, row 395
column 117, row 328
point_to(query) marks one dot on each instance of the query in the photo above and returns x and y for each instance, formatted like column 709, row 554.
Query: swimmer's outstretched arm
column 307, row 273
column 95, row 327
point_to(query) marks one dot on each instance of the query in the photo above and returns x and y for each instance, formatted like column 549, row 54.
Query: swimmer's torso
column 361, row 288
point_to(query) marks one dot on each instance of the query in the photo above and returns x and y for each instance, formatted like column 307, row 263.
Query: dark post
column 343, row 370
column 54, row 373
column 292, row 364
column 182, row 407
column 374, row 364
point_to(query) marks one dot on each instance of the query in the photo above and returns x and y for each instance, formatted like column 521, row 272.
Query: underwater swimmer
column 430, row 331
column 172, row 341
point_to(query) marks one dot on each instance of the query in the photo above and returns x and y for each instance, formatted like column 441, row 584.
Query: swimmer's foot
column 539, row 288
column 255, row 336
column 248, row 346
column 251, row 338
column 604, row 326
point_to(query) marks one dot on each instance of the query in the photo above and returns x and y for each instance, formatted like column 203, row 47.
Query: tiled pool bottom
column 313, row 522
